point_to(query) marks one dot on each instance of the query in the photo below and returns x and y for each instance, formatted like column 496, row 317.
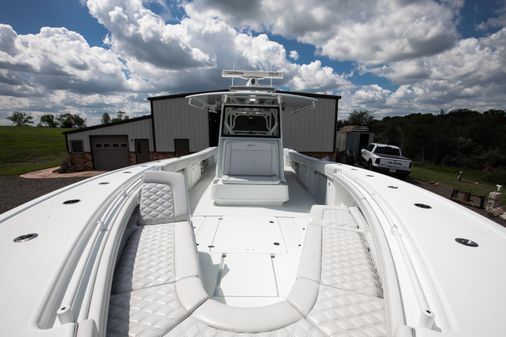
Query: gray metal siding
column 135, row 130
column 313, row 130
column 173, row 119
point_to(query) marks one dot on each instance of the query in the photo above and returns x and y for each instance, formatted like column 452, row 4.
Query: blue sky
column 387, row 56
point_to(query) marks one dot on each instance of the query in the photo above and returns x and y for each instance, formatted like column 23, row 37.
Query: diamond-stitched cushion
column 157, row 204
column 192, row 327
column 339, row 312
column 348, row 302
column 338, row 218
column 146, row 260
column 149, row 312
column 346, row 263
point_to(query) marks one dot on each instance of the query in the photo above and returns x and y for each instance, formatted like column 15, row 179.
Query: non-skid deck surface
column 259, row 248
column 249, row 255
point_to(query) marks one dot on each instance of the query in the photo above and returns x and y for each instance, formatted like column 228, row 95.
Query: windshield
column 388, row 150
column 251, row 121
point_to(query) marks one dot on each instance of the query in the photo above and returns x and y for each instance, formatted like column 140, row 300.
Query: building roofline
column 307, row 94
column 184, row 94
column 130, row 120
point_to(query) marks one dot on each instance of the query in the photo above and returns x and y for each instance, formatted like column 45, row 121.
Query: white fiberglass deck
column 249, row 255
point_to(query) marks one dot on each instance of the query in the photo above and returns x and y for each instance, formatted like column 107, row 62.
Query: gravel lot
column 17, row 191
column 447, row 191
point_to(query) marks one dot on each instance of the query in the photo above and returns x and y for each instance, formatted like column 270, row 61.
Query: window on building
column 76, row 146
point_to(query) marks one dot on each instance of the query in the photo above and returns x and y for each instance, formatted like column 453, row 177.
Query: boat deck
column 254, row 269
column 249, row 255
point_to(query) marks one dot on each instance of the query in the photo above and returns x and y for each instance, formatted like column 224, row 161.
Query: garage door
column 109, row 152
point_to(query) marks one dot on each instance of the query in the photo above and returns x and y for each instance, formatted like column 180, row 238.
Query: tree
column 69, row 120
column 20, row 118
column 121, row 115
column 48, row 121
column 106, row 119
column 79, row 122
column 362, row 117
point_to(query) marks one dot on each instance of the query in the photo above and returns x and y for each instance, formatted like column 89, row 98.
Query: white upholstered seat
column 157, row 278
column 147, row 259
column 251, row 158
column 164, row 198
column 250, row 173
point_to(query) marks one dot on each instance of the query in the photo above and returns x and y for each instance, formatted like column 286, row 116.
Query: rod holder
column 65, row 315
column 427, row 319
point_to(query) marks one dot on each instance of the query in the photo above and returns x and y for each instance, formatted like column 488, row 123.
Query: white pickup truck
column 386, row 158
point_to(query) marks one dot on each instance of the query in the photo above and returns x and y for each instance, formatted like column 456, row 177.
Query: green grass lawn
column 25, row 149
column 472, row 180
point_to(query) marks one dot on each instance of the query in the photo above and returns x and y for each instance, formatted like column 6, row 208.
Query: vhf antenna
column 233, row 68
column 270, row 69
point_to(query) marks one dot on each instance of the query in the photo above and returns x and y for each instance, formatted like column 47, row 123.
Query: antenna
column 252, row 76
column 233, row 67
column 270, row 68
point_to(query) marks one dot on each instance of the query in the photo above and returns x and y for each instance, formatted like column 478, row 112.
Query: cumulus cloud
column 371, row 31
column 57, row 71
column 223, row 45
column 145, row 56
column 56, row 58
column 412, row 43
column 372, row 94
column 137, row 32
column 499, row 21
column 473, row 72
column 315, row 77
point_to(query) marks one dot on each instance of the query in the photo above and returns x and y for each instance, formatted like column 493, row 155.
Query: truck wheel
column 369, row 165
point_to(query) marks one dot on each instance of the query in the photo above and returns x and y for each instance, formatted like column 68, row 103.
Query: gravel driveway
column 16, row 191
column 447, row 191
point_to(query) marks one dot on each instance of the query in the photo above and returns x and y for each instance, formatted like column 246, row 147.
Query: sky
column 390, row 57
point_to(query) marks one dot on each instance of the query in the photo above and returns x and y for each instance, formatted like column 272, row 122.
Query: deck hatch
column 248, row 235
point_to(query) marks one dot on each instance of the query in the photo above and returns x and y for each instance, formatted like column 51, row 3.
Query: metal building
column 175, row 128
column 350, row 140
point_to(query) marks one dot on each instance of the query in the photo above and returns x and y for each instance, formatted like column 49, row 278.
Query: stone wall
column 80, row 161
column 162, row 155
column 493, row 205
column 132, row 158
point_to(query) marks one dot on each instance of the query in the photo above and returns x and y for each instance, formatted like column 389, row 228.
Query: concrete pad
column 52, row 172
